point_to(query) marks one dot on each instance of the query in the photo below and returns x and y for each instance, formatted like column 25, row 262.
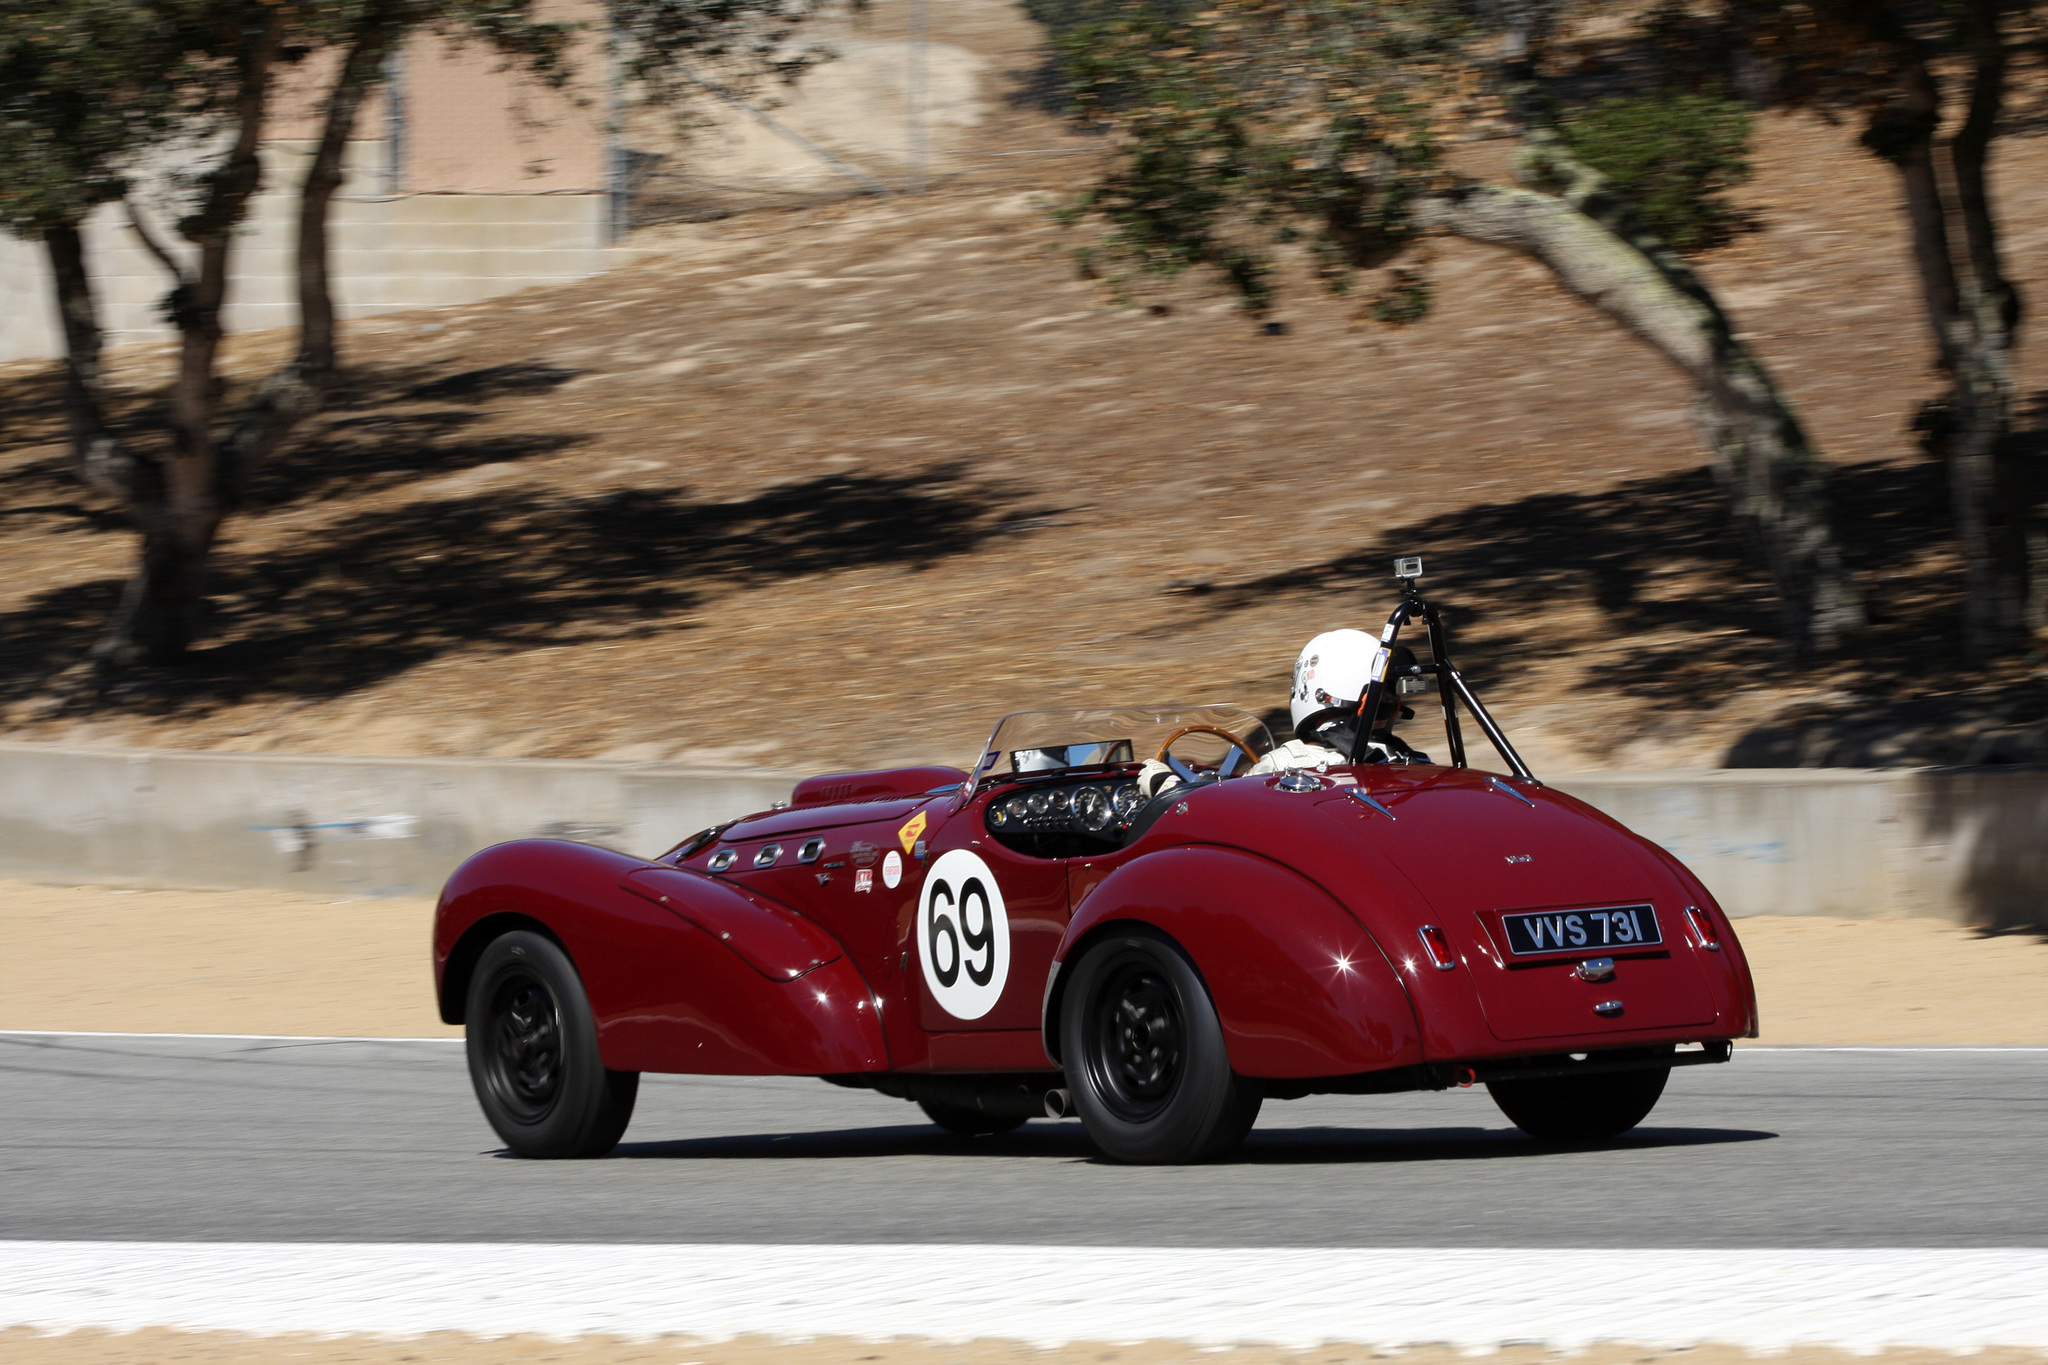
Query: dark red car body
column 1353, row 927
column 1302, row 910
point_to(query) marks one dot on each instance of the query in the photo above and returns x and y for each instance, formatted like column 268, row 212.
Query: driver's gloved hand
column 1155, row 777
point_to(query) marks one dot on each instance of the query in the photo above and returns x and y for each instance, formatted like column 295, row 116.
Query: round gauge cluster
column 1093, row 808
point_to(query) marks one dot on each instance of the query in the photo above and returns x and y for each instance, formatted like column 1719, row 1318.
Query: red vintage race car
column 1041, row 936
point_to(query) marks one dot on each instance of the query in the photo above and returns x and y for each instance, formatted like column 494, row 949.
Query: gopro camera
column 1408, row 566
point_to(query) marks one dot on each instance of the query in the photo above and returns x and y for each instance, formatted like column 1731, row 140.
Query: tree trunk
column 1969, row 152
column 1994, row 307
column 178, row 513
column 102, row 462
column 299, row 390
column 1972, row 311
column 1762, row 457
column 150, row 621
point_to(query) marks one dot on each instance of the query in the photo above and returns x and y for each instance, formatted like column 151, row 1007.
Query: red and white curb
column 1858, row 1300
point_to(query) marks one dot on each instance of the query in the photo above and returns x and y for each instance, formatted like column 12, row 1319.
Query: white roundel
column 892, row 869
column 963, row 935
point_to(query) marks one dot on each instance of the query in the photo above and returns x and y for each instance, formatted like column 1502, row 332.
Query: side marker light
column 1438, row 945
column 1703, row 928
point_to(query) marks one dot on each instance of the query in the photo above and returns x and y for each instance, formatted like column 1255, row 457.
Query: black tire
column 533, row 1057
column 1144, row 1055
column 1580, row 1108
column 967, row 1122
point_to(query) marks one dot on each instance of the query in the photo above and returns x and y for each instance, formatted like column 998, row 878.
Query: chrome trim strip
column 1502, row 786
column 1358, row 794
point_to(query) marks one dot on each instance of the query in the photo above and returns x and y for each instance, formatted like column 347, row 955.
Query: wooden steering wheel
column 1186, row 730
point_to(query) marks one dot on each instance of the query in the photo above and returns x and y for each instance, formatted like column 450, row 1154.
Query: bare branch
column 153, row 244
column 1762, row 454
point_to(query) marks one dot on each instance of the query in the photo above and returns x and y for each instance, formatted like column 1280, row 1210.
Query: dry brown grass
column 838, row 486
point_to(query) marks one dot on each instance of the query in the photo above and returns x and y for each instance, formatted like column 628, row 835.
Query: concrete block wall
column 1966, row 847
column 352, row 826
column 390, row 252
column 1843, row 842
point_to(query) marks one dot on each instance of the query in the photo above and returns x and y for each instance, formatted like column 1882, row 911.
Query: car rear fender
column 669, row 993
column 1301, row 987
column 1734, row 988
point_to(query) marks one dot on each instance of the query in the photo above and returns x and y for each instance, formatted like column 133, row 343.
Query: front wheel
column 1145, row 1058
column 1580, row 1108
column 533, row 1059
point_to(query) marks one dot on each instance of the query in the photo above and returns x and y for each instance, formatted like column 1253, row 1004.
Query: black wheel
column 1580, row 1108
column 1145, row 1058
column 533, row 1053
column 966, row 1122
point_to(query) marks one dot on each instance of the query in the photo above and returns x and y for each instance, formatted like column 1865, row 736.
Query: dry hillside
column 838, row 485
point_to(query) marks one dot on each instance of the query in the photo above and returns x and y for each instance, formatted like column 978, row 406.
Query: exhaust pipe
column 1059, row 1104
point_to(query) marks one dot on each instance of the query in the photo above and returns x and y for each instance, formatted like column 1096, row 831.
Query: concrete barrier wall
column 1968, row 847
column 1852, row 843
column 390, row 253
column 353, row 826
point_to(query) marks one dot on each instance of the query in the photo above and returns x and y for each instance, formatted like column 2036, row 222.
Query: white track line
column 1754, row 1299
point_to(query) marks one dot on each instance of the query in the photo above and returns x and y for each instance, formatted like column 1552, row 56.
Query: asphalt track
column 279, row 1140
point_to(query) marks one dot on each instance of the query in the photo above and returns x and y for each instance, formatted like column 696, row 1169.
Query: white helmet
column 1334, row 669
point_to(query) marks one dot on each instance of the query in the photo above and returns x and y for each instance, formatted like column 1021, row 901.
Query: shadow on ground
column 383, row 592
column 1275, row 1146
column 380, row 428
column 1688, row 615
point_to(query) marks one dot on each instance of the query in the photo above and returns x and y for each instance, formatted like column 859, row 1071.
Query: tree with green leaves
column 1906, row 69
column 92, row 92
column 1252, row 123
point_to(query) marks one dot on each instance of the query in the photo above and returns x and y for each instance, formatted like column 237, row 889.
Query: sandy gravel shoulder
column 96, row 959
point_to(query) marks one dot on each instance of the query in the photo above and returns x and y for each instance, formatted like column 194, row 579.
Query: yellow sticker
column 908, row 834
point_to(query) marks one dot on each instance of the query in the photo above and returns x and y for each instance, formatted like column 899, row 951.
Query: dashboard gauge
column 1092, row 809
column 1056, row 802
column 1019, row 809
column 999, row 814
column 1035, row 804
column 1128, row 800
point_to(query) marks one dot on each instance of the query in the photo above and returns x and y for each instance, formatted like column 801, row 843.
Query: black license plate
column 1571, row 931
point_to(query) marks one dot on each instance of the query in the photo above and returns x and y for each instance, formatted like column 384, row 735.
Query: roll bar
column 1450, row 684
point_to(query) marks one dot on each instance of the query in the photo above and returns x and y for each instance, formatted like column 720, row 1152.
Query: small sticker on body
column 892, row 869
column 910, row 832
column 864, row 879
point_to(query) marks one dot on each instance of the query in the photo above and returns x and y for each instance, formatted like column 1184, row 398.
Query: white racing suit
column 1294, row 755
column 1301, row 753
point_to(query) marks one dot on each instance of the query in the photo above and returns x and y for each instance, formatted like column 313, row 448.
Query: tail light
column 1438, row 946
column 1703, row 928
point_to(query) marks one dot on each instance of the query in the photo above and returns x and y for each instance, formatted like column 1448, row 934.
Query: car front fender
column 713, row 980
column 1301, row 988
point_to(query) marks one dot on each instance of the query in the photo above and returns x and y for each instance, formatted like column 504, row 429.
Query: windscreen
column 1054, row 741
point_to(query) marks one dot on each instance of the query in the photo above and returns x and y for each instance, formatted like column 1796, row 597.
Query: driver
column 1330, row 678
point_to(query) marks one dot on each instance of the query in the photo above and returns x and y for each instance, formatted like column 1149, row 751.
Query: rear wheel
column 1145, row 1058
column 533, row 1059
column 967, row 1122
column 1580, row 1108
